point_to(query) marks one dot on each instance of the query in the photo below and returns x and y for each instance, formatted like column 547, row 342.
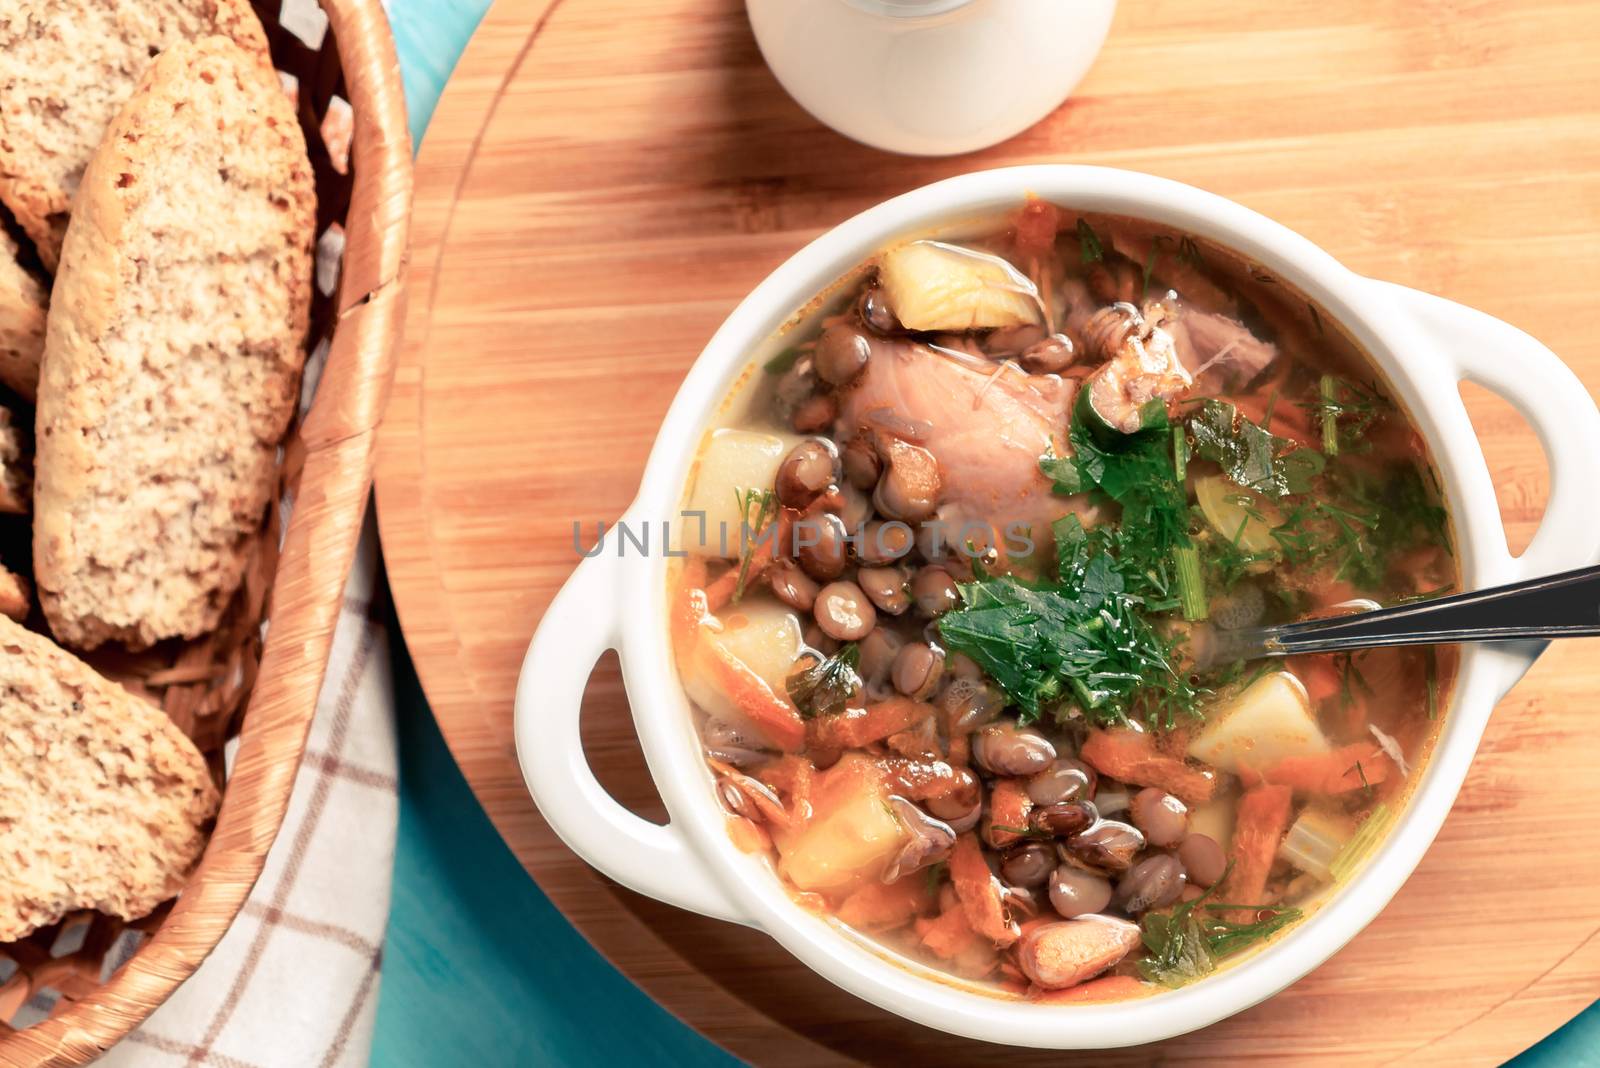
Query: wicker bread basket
column 248, row 681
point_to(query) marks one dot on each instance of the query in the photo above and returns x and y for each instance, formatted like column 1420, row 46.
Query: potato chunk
column 852, row 835
column 935, row 286
column 732, row 463
column 1261, row 725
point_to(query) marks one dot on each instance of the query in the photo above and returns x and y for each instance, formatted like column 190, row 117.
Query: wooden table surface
column 603, row 181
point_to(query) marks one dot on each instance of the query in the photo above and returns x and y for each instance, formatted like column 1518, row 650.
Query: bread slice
column 174, row 351
column 66, row 66
column 22, row 317
column 102, row 800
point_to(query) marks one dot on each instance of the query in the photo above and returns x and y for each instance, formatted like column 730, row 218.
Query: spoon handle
column 1554, row 606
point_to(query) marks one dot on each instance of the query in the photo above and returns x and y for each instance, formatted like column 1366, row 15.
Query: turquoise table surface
column 479, row 968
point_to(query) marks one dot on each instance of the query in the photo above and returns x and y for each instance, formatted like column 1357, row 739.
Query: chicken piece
column 986, row 424
column 1221, row 351
column 1143, row 363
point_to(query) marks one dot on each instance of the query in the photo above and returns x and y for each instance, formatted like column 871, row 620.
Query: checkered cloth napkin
column 294, row 982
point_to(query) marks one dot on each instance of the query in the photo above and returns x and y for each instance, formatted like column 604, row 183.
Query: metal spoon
column 1555, row 606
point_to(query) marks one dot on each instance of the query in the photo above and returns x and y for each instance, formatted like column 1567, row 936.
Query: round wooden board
column 602, row 182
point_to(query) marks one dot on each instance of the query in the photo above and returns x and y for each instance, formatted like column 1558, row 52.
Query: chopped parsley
column 826, row 686
column 1086, row 638
column 1139, row 474
column 1252, row 456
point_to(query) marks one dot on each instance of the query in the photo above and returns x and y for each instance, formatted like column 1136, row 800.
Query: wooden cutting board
column 604, row 180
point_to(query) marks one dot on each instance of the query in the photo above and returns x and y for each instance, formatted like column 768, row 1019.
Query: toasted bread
column 66, row 67
column 103, row 801
column 174, row 351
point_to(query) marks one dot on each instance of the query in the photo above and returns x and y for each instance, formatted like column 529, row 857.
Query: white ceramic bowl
column 1425, row 346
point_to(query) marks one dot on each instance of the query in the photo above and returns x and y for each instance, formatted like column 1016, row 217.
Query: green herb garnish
column 1150, row 263
column 1189, row 252
column 1252, row 456
column 1346, row 411
column 1185, row 944
column 1330, row 415
column 765, row 505
column 1377, row 515
column 1086, row 636
column 782, row 361
column 1064, row 474
column 1360, row 843
column 1191, row 582
column 1430, row 661
column 1138, row 474
column 1089, row 242
column 828, row 685
column 1361, row 772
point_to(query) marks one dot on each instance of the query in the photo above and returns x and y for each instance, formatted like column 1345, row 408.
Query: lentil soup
column 967, row 546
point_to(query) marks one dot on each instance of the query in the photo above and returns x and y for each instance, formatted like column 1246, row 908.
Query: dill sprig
column 1346, row 411
column 765, row 505
column 1186, row 943
column 1092, row 250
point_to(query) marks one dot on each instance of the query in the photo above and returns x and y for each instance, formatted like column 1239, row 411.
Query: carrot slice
column 1105, row 988
column 1320, row 675
column 1259, row 824
column 979, row 892
column 1132, row 756
column 1037, row 224
column 794, row 776
column 1347, row 768
column 1009, row 805
column 771, row 714
column 877, row 906
column 856, row 727
column 689, row 607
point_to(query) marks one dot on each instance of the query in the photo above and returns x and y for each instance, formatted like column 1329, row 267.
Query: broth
column 973, row 542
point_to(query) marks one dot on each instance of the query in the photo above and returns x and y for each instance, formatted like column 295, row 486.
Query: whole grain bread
column 22, row 316
column 66, row 67
column 174, row 351
column 103, row 802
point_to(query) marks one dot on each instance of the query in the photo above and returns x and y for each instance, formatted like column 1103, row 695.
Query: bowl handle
column 580, row 625
column 1557, row 405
